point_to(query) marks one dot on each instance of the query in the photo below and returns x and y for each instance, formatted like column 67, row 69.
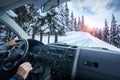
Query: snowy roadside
column 80, row 39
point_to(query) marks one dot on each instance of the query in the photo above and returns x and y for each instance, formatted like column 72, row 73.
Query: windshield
column 87, row 23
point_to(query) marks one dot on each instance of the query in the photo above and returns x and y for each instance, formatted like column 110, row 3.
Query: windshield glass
column 88, row 23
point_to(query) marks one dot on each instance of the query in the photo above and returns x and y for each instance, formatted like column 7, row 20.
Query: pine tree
column 53, row 24
column 113, row 31
column 59, row 19
column 99, row 34
column 82, row 24
column 79, row 25
column 27, row 18
column 66, row 18
column 75, row 24
column 118, row 36
column 72, row 28
column 106, row 32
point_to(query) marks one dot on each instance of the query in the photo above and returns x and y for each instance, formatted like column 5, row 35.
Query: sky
column 96, row 11
column 80, row 39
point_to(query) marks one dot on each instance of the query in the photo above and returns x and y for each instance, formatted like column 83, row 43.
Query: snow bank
column 81, row 39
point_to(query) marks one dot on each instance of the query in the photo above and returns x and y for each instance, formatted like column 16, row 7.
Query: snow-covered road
column 81, row 39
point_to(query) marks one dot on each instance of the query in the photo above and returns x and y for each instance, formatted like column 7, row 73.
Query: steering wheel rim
column 13, row 58
column 26, row 47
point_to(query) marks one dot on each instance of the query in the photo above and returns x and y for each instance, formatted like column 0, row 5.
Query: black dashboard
column 59, row 58
column 79, row 63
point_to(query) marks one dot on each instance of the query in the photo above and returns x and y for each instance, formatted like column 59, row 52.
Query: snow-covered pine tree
column 59, row 19
column 53, row 24
column 66, row 18
column 82, row 24
column 113, row 31
column 118, row 36
column 99, row 33
column 79, row 24
column 106, row 32
column 75, row 24
column 95, row 32
column 71, row 26
column 27, row 18
column 22, row 15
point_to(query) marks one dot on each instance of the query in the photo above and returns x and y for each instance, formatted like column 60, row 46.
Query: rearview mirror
column 49, row 5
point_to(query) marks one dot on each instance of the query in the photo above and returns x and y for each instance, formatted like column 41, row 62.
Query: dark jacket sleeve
column 17, row 77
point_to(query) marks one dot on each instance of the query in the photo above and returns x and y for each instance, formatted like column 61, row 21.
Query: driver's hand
column 24, row 69
column 12, row 43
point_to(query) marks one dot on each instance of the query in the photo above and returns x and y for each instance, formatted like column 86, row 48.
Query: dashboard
column 57, row 57
column 79, row 63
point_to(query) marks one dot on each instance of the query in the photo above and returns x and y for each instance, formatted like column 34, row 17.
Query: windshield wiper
column 101, row 48
column 65, row 45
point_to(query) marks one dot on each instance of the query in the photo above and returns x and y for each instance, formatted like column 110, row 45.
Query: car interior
column 55, row 61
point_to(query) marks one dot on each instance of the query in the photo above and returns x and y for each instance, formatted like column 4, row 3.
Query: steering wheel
column 15, row 55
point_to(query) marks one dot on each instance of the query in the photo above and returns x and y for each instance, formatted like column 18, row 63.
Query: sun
column 93, row 23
